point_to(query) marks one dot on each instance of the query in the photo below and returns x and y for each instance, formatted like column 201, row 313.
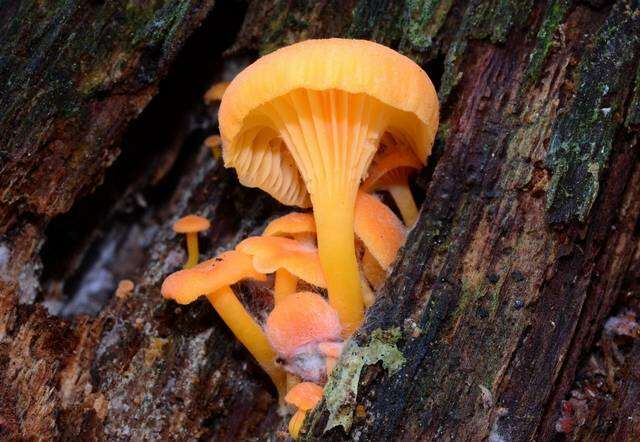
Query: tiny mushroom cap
column 271, row 253
column 291, row 224
column 390, row 172
column 387, row 167
column 186, row 286
column 304, row 122
column 304, row 396
column 378, row 228
column 124, row 288
column 215, row 92
column 300, row 319
column 191, row 224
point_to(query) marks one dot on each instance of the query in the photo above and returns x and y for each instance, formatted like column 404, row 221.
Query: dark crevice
column 435, row 68
column 100, row 240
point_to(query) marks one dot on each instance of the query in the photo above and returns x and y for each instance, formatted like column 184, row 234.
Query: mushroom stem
column 334, row 224
column 285, row 284
column 367, row 294
column 249, row 333
column 295, row 424
column 401, row 195
column 192, row 250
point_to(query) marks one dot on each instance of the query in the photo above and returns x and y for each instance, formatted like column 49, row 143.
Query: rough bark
column 495, row 303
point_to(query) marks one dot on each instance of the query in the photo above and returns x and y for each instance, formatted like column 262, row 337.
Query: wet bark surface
column 497, row 321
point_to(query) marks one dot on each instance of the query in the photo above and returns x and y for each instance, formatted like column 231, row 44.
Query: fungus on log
column 520, row 253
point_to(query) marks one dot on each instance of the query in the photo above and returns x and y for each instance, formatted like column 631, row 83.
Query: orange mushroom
column 191, row 225
column 390, row 172
column 214, row 142
column 213, row 279
column 304, row 122
column 382, row 234
column 379, row 229
column 215, row 92
column 273, row 253
column 295, row 328
column 299, row 226
column 124, row 288
column 304, row 396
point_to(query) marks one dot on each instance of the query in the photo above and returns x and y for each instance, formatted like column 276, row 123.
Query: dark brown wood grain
column 524, row 247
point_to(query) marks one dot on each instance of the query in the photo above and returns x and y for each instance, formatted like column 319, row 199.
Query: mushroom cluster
column 321, row 125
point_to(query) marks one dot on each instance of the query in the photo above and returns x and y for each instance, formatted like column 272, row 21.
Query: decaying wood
column 494, row 305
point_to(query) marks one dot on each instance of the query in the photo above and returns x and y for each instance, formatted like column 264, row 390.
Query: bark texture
column 524, row 247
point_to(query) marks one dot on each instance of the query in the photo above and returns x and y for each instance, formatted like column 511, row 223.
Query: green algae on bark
column 342, row 389
column 582, row 138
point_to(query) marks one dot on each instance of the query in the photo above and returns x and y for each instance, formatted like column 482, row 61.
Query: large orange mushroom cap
column 186, row 286
column 301, row 318
column 354, row 66
column 304, row 122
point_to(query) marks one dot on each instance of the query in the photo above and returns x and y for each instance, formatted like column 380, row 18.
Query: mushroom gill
column 304, row 122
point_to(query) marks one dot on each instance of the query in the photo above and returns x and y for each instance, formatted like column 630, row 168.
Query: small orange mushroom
column 214, row 142
column 296, row 327
column 213, row 279
column 291, row 225
column 390, row 172
column 304, row 396
column 124, row 288
column 191, row 225
column 271, row 253
column 382, row 234
column 215, row 92
column 299, row 226
column 304, row 122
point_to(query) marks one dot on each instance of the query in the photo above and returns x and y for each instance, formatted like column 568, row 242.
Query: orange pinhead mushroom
column 304, row 397
column 124, row 288
column 191, row 225
column 271, row 253
column 390, row 172
column 301, row 319
column 213, row 278
column 215, row 92
column 303, row 124
column 214, row 142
